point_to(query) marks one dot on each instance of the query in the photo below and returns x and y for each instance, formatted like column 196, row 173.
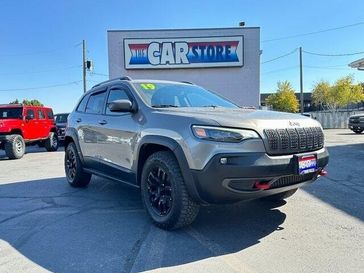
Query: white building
column 225, row 60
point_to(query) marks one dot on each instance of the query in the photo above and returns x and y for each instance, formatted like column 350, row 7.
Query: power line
column 42, row 71
column 42, row 87
column 99, row 74
column 329, row 66
column 281, row 69
column 39, row 52
column 279, row 57
column 333, row 55
column 313, row 32
column 326, row 67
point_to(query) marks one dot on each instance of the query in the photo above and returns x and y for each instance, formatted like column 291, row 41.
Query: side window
column 40, row 114
column 82, row 105
column 30, row 113
column 96, row 103
column 50, row 114
column 115, row 94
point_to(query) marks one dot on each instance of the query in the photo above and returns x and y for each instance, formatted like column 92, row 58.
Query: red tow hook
column 261, row 185
column 322, row 172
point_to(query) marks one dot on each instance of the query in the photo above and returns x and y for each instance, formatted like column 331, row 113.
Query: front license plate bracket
column 306, row 164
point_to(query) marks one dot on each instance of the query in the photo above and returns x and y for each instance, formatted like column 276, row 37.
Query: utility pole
column 84, row 65
column 301, row 80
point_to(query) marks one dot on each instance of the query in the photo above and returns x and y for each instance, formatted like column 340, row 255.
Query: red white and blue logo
column 183, row 52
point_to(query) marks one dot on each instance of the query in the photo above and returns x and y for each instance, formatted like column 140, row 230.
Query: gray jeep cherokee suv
column 185, row 146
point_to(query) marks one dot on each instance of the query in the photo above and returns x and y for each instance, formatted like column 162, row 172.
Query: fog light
column 223, row 160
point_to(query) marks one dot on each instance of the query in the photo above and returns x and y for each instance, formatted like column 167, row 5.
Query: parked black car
column 356, row 123
column 61, row 122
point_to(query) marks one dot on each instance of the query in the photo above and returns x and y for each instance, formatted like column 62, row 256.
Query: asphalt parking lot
column 45, row 225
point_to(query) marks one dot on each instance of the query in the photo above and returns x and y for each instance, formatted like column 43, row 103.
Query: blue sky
column 40, row 39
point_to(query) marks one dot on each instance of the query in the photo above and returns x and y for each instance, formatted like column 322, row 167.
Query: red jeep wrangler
column 20, row 125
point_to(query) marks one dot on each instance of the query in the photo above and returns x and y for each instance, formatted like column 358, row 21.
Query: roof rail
column 186, row 82
column 125, row 78
column 11, row 104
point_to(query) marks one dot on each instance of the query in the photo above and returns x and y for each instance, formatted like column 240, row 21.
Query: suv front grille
column 293, row 140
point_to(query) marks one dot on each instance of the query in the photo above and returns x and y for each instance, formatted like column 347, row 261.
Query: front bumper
column 3, row 139
column 236, row 179
column 61, row 133
column 356, row 126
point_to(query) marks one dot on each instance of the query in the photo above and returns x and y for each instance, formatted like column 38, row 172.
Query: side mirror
column 121, row 106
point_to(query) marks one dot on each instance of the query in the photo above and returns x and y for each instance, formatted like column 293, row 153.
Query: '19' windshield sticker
column 147, row 86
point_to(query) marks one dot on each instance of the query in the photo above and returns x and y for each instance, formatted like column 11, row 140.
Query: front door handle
column 102, row 122
column 78, row 120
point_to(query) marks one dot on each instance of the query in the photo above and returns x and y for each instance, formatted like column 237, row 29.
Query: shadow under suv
column 185, row 146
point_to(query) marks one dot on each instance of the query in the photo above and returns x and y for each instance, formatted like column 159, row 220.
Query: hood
column 257, row 120
column 357, row 116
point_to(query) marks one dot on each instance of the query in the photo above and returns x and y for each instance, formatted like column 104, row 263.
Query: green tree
column 284, row 99
column 16, row 101
column 342, row 93
column 33, row 102
column 320, row 93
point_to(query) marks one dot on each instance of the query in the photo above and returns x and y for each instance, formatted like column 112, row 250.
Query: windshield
column 11, row 113
column 61, row 118
column 162, row 94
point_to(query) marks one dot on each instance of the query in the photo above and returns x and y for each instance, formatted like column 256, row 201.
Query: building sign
column 183, row 52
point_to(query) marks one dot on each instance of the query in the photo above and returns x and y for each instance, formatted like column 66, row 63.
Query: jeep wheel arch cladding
column 165, row 143
column 71, row 136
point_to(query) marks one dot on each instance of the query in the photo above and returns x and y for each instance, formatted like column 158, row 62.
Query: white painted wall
column 240, row 84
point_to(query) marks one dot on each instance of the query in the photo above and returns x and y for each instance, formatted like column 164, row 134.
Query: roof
column 128, row 79
column 180, row 29
column 21, row 105
column 359, row 64
column 10, row 105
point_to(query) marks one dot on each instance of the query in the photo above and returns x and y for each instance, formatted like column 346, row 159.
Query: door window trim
column 30, row 109
column 99, row 91
column 128, row 93
column 40, row 110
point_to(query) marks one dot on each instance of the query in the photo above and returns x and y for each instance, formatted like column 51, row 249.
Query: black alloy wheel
column 159, row 190
column 75, row 174
column 164, row 193
column 71, row 164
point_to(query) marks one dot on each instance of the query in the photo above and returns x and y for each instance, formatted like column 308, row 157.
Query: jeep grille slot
column 292, row 179
column 293, row 140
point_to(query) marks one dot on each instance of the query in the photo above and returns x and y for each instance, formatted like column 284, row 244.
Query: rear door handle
column 78, row 120
column 102, row 122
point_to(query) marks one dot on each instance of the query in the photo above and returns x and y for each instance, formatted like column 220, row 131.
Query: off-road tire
column 183, row 210
column 15, row 147
column 280, row 196
column 76, row 176
column 51, row 143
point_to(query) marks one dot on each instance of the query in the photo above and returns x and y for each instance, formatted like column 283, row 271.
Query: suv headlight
column 222, row 134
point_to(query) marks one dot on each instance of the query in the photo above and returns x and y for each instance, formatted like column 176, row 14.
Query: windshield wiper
column 164, row 106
